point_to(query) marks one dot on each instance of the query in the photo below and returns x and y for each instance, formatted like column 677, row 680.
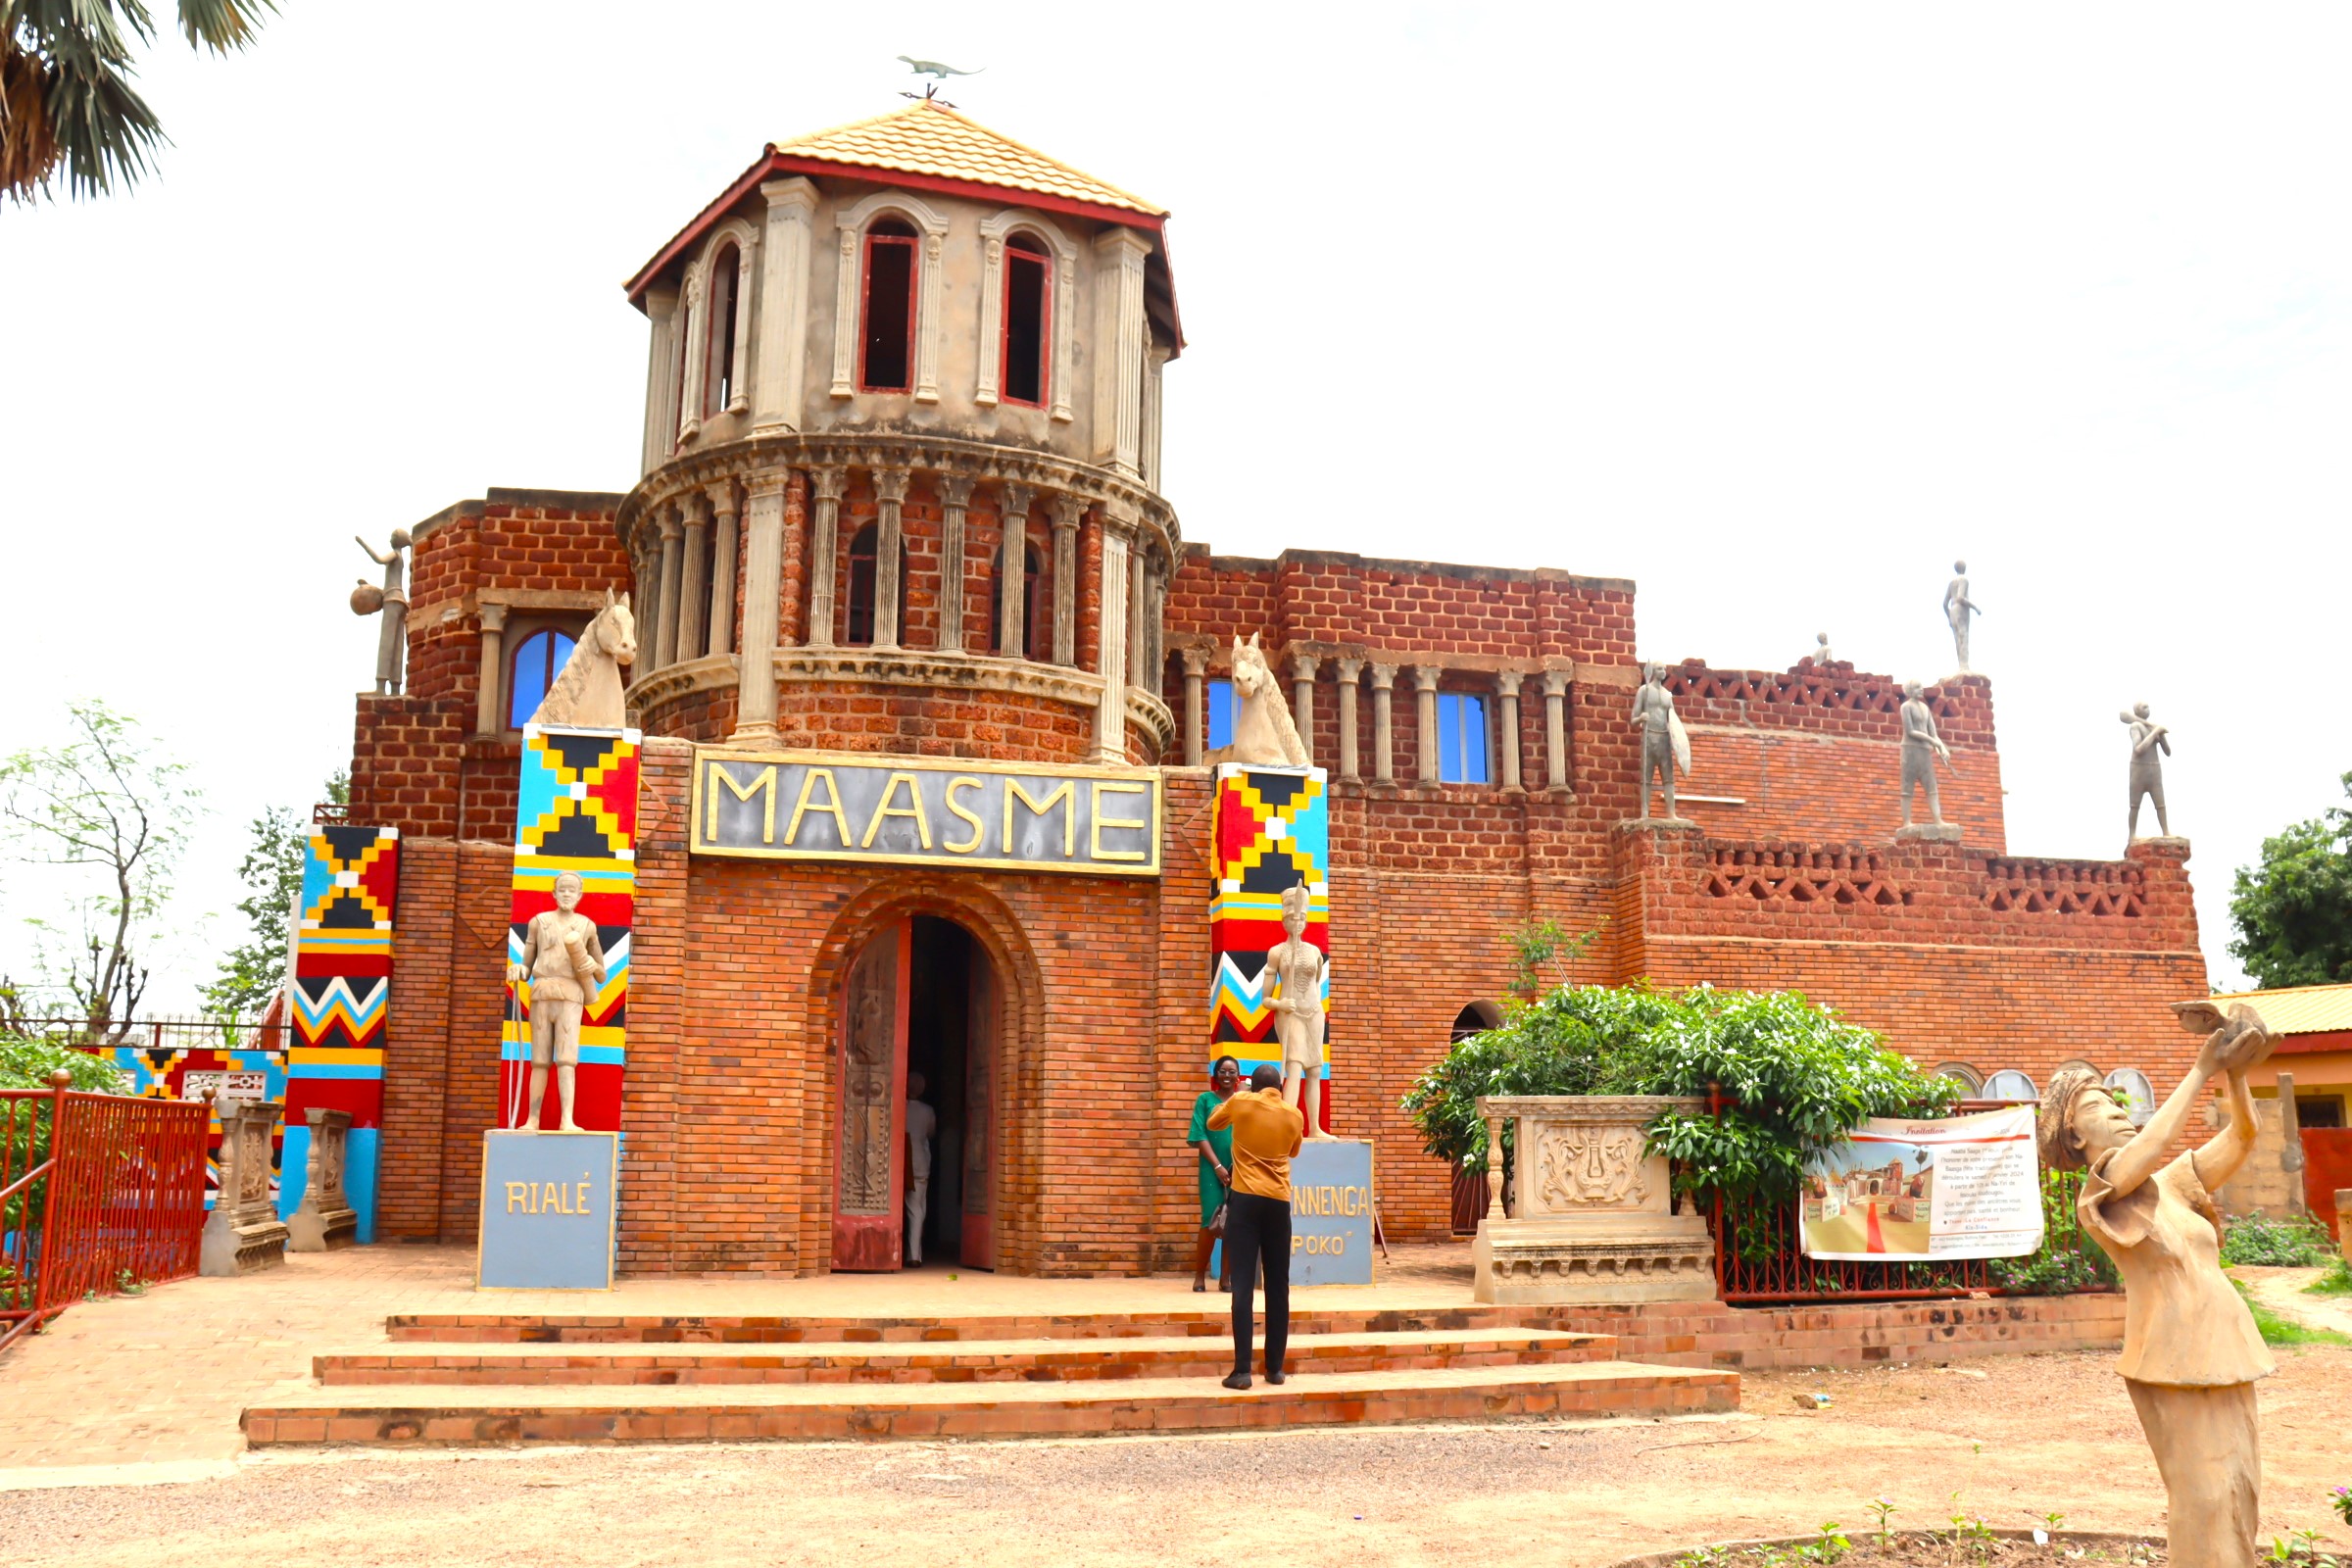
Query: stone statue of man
column 1665, row 746
column 392, row 632
column 1295, row 968
column 1923, row 748
column 2151, row 742
column 1821, row 654
column 567, row 966
column 1957, row 609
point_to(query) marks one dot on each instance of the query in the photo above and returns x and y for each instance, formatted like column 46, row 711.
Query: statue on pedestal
column 566, row 967
column 1957, row 608
column 1665, row 744
column 1294, row 990
column 1923, row 749
column 2151, row 742
column 392, row 600
column 587, row 693
column 1263, row 733
column 2191, row 1352
column 1821, row 654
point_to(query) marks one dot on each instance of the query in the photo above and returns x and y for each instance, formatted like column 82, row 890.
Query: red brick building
column 899, row 501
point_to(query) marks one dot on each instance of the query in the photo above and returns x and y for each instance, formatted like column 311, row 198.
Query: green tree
column 252, row 971
column 67, row 106
column 106, row 804
column 2294, row 912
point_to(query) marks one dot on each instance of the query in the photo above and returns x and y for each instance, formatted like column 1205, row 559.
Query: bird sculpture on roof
column 934, row 69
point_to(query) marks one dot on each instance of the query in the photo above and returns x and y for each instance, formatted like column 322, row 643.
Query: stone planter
column 1594, row 1219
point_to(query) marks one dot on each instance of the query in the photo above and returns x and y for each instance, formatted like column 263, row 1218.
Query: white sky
column 1775, row 309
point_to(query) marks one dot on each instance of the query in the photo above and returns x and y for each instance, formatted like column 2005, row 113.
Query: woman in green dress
column 1217, row 1162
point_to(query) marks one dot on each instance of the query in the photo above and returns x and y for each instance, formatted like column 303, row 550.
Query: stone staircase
column 459, row 1380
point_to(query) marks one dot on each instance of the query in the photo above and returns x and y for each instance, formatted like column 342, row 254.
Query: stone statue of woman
column 2191, row 1353
column 392, row 632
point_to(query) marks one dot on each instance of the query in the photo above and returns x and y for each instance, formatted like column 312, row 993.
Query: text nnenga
column 548, row 1198
column 1326, row 1200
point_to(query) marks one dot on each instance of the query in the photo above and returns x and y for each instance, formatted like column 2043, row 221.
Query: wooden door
column 869, row 1193
column 979, row 1248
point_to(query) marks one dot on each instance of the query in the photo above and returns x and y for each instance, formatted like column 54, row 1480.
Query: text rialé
column 826, row 807
column 548, row 1198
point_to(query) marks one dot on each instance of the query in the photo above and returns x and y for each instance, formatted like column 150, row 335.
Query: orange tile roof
column 930, row 139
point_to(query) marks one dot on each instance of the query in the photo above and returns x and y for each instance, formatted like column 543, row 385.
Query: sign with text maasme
column 808, row 806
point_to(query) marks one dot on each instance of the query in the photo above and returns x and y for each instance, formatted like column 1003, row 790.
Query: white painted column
column 1384, row 724
column 890, row 494
column 645, row 556
column 660, row 306
column 1302, row 699
column 1506, row 733
column 1110, row 712
column 1013, row 599
column 1139, row 601
column 929, row 292
column 665, row 651
column 721, row 620
column 824, row 545
column 487, row 720
column 992, row 317
column 781, row 365
column 697, row 361
column 1119, row 346
column 1425, row 713
column 694, row 590
column 954, row 496
column 1067, row 509
column 1155, row 360
column 763, row 587
column 1196, row 707
column 1555, row 729
column 847, row 318
column 1351, row 672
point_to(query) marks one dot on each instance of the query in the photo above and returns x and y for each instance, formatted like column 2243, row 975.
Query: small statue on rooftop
column 392, row 600
column 1957, row 609
column 1665, row 744
column 2151, row 742
column 1821, row 654
column 1923, row 749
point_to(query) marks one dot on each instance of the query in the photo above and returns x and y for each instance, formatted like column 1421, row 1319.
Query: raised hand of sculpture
column 587, row 693
column 392, row 600
column 1665, row 744
column 1263, row 735
column 1957, row 608
column 2191, row 1353
column 566, row 967
column 1923, row 749
column 2151, row 742
column 1295, row 969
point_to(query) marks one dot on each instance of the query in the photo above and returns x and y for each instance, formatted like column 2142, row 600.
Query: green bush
column 2058, row 1269
column 2299, row 1243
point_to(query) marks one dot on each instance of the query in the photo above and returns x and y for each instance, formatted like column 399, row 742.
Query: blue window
column 1461, row 738
column 538, row 660
column 1220, row 713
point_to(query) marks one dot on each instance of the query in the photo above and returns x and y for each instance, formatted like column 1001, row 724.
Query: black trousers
column 1259, row 1229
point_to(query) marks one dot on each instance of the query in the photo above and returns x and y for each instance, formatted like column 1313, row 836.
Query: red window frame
column 865, row 292
column 1021, row 245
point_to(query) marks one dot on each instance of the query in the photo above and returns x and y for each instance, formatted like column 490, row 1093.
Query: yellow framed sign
column 921, row 810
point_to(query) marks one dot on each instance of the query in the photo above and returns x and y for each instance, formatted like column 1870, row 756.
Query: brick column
column 1351, row 671
column 694, row 593
column 1013, row 597
column 763, row 574
column 1506, row 741
column 486, row 716
column 1067, row 509
column 823, row 547
column 1384, row 725
column 890, row 494
column 1195, row 719
column 954, row 495
column 721, row 635
column 1555, row 729
column 665, row 651
column 1302, row 699
column 1425, row 713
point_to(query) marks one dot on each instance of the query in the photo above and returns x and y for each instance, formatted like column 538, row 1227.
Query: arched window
column 1220, row 713
column 996, row 605
column 1461, row 738
column 719, row 368
column 2010, row 1084
column 887, row 361
column 2133, row 1091
column 1960, row 1072
column 1027, row 334
column 865, row 548
column 536, row 661
column 1475, row 1019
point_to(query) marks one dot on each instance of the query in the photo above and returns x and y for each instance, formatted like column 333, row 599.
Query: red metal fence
column 97, row 1192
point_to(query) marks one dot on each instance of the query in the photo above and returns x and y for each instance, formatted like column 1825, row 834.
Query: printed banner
column 1960, row 1186
column 576, row 812
column 1272, row 828
column 342, row 988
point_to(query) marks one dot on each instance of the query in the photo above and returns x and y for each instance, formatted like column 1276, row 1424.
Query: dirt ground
column 2017, row 1437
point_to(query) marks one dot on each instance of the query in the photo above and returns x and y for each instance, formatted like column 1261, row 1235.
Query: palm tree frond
column 29, row 149
column 221, row 25
column 104, row 128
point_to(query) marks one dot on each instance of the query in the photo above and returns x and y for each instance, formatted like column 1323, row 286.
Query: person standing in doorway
column 1216, row 1167
column 1266, row 1133
column 922, row 1125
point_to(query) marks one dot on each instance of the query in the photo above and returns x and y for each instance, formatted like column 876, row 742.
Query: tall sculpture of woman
column 2191, row 1353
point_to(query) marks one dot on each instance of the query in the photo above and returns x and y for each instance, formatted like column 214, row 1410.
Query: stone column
column 1495, row 1168
column 722, row 639
column 698, row 359
column 1013, row 599
column 694, row 592
column 1424, row 716
column 1384, row 724
column 1196, row 715
column 762, row 589
column 1351, row 671
column 1118, row 343
column 824, row 529
column 1139, row 603
column 1067, row 509
column 661, row 426
column 665, row 651
column 954, row 495
column 1506, row 738
column 645, row 559
column 1302, row 699
column 1110, row 712
column 780, row 369
column 890, row 494
column 1555, row 729
column 1156, row 616
column 486, row 716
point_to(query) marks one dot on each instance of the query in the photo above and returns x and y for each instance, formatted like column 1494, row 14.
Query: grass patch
column 2337, row 1281
column 2276, row 1329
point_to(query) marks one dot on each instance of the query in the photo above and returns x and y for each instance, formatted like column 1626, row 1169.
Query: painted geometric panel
column 576, row 812
column 170, row 1067
column 341, row 996
column 1272, row 831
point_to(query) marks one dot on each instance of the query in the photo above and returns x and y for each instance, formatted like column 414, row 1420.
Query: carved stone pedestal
column 1594, row 1214
column 324, row 1219
column 243, row 1232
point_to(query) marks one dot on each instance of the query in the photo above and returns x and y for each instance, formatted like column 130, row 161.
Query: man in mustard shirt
column 1266, row 1133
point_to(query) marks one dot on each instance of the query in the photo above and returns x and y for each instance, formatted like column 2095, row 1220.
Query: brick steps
column 921, row 1361
column 461, row 1416
column 448, row 1328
